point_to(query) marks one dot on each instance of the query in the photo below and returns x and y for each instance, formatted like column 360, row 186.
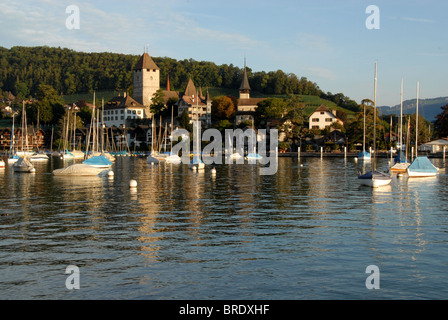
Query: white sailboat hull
column 374, row 183
column 375, row 179
column 23, row 165
column 421, row 174
column 173, row 159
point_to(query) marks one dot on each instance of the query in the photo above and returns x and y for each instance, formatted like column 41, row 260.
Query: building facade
column 197, row 106
column 146, row 80
column 322, row 117
column 122, row 110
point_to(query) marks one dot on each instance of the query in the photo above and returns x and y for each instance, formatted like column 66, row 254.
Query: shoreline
column 315, row 154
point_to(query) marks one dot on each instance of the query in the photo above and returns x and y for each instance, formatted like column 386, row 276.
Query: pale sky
column 325, row 41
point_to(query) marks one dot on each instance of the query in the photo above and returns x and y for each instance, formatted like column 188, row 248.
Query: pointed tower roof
column 190, row 90
column 245, row 83
column 146, row 62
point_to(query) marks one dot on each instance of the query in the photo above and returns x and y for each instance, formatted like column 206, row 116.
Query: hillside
column 68, row 72
column 428, row 108
column 311, row 102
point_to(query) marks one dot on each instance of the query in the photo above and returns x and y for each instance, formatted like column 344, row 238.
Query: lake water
column 307, row 232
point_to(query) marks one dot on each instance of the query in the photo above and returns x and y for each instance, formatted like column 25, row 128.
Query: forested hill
column 22, row 69
column 428, row 108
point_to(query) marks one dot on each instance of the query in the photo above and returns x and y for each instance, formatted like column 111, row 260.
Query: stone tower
column 146, row 80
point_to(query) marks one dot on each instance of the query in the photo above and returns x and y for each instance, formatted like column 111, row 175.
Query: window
column 328, row 119
column 315, row 127
column 322, row 112
column 122, row 118
column 121, row 111
column 315, row 120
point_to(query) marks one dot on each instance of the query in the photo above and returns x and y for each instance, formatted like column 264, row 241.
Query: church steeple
column 245, row 87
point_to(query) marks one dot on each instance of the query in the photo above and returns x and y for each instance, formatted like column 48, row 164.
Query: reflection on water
column 307, row 232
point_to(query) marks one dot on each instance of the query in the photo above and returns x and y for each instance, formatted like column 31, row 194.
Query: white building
column 197, row 106
column 322, row 117
column 121, row 110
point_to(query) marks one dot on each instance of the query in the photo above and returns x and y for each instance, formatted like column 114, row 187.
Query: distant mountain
column 428, row 108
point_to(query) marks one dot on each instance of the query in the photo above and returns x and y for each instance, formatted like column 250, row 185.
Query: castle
column 146, row 81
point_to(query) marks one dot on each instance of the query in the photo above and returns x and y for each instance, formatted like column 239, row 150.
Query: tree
column 224, row 124
column 49, row 106
column 441, row 124
column 157, row 104
column 222, row 108
column 184, row 121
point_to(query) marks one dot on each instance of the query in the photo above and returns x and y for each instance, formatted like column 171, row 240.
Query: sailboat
column 196, row 162
column 97, row 159
column 364, row 155
column 374, row 178
column 253, row 155
column 12, row 156
column 151, row 159
column 23, row 164
column 421, row 166
column 172, row 158
column 401, row 162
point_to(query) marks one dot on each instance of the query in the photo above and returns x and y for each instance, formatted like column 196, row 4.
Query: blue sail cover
column 422, row 165
column 98, row 161
column 400, row 158
column 364, row 154
column 196, row 160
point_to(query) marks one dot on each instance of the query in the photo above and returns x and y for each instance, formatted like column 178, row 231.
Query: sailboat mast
column 171, row 131
column 364, row 135
column 374, row 118
column 401, row 116
column 416, row 121
column 102, row 126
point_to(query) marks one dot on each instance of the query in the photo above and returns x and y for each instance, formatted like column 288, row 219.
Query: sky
column 332, row 43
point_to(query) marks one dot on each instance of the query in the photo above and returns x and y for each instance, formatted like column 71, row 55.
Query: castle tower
column 146, row 80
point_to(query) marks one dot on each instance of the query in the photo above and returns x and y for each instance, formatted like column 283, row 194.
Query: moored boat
column 422, row 167
column 375, row 179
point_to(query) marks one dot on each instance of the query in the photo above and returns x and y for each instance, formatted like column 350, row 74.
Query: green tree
column 157, row 104
column 224, row 124
column 441, row 124
column 49, row 106
column 184, row 121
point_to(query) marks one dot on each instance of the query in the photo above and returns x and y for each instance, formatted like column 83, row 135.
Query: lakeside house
column 435, row 146
column 322, row 117
column 121, row 110
column 36, row 138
